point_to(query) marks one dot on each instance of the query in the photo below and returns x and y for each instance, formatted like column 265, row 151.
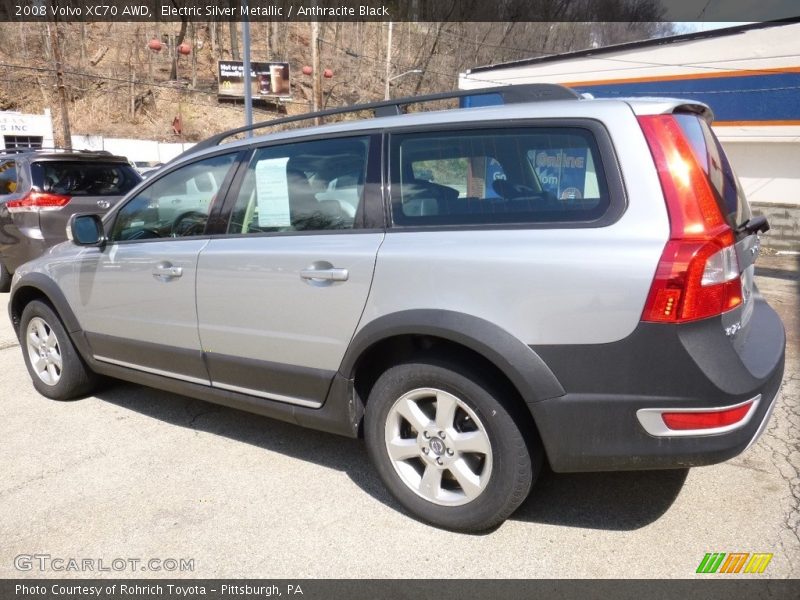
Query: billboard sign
column 267, row 79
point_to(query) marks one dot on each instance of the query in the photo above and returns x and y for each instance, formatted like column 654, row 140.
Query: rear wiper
column 757, row 224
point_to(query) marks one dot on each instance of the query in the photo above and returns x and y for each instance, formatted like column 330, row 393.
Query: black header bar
column 711, row 588
column 398, row 10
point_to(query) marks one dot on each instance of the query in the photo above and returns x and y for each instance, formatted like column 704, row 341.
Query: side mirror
column 86, row 230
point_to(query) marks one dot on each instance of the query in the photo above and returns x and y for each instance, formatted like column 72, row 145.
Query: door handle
column 325, row 274
column 165, row 271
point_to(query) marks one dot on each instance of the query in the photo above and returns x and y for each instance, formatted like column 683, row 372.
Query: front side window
column 176, row 205
column 305, row 186
column 497, row 176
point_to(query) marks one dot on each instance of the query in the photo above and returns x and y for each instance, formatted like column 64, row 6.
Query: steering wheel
column 191, row 222
column 141, row 233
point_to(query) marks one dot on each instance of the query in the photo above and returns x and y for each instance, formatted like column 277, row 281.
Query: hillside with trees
column 116, row 86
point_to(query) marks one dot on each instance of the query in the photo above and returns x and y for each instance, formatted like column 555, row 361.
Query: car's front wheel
column 447, row 446
column 56, row 369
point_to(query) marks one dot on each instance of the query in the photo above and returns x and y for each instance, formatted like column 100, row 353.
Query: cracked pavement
column 134, row 472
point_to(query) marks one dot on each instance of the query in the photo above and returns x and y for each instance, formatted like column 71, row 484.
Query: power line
column 382, row 61
column 118, row 92
column 462, row 38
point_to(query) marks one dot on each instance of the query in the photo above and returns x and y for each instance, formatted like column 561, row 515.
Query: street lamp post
column 390, row 79
column 248, row 89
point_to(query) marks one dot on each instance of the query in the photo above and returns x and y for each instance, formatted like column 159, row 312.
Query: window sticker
column 272, row 193
column 561, row 171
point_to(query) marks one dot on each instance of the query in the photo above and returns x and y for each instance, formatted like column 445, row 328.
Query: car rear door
column 135, row 297
column 280, row 293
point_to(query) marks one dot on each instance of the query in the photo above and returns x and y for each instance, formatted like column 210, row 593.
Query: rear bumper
column 595, row 425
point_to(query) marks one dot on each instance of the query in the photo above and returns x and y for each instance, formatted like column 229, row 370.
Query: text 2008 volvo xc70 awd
column 474, row 291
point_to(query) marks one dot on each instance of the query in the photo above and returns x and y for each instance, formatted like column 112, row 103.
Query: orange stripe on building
column 788, row 123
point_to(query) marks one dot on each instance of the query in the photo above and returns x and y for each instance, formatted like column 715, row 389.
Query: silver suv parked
column 474, row 291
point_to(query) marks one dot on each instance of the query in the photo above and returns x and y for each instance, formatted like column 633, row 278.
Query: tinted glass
column 8, row 177
column 523, row 175
column 176, row 205
column 83, row 178
column 307, row 186
column 713, row 160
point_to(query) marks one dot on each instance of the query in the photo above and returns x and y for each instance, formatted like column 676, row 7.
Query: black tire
column 75, row 379
column 5, row 278
column 515, row 460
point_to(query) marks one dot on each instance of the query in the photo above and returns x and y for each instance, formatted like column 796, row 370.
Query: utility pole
column 62, row 92
column 388, row 60
column 316, row 89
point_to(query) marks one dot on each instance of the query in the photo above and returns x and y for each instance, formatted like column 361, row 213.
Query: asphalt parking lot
column 136, row 473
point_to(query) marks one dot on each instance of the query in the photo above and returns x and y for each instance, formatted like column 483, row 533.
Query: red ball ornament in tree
column 327, row 73
column 307, row 70
column 185, row 49
column 155, row 45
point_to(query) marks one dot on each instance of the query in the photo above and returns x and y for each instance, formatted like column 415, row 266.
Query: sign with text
column 267, row 79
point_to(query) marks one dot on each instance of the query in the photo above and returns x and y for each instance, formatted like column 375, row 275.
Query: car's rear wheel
column 447, row 447
column 56, row 369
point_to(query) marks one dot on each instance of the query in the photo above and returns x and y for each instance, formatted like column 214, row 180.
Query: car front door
column 135, row 297
column 280, row 295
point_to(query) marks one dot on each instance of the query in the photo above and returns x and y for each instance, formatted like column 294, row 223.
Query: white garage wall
column 135, row 150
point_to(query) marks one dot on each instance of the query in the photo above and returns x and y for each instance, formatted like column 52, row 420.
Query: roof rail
column 27, row 150
column 511, row 94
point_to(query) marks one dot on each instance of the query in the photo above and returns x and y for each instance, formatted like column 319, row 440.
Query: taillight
column 681, row 421
column 698, row 273
column 38, row 201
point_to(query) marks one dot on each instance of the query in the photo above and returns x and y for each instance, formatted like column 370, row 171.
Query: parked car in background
column 147, row 167
column 473, row 291
column 40, row 189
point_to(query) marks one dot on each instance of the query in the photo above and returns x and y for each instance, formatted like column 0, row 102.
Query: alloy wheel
column 43, row 351
column 438, row 446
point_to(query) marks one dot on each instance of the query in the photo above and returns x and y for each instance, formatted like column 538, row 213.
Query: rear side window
column 8, row 177
column 497, row 176
column 84, row 178
column 305, row 186
column 712, row 159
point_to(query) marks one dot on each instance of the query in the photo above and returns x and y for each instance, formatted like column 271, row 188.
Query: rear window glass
column 8, row 177
column 84, row 178
column 524, row 175
column 712, row 159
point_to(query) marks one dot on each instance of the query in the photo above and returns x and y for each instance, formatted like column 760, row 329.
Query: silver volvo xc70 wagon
column 473, row 291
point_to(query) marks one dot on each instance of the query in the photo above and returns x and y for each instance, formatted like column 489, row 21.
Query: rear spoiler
column 696, row 108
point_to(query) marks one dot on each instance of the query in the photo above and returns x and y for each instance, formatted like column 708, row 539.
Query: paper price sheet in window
column 272, row 193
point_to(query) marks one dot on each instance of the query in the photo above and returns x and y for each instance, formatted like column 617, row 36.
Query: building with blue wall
column 749, row 75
